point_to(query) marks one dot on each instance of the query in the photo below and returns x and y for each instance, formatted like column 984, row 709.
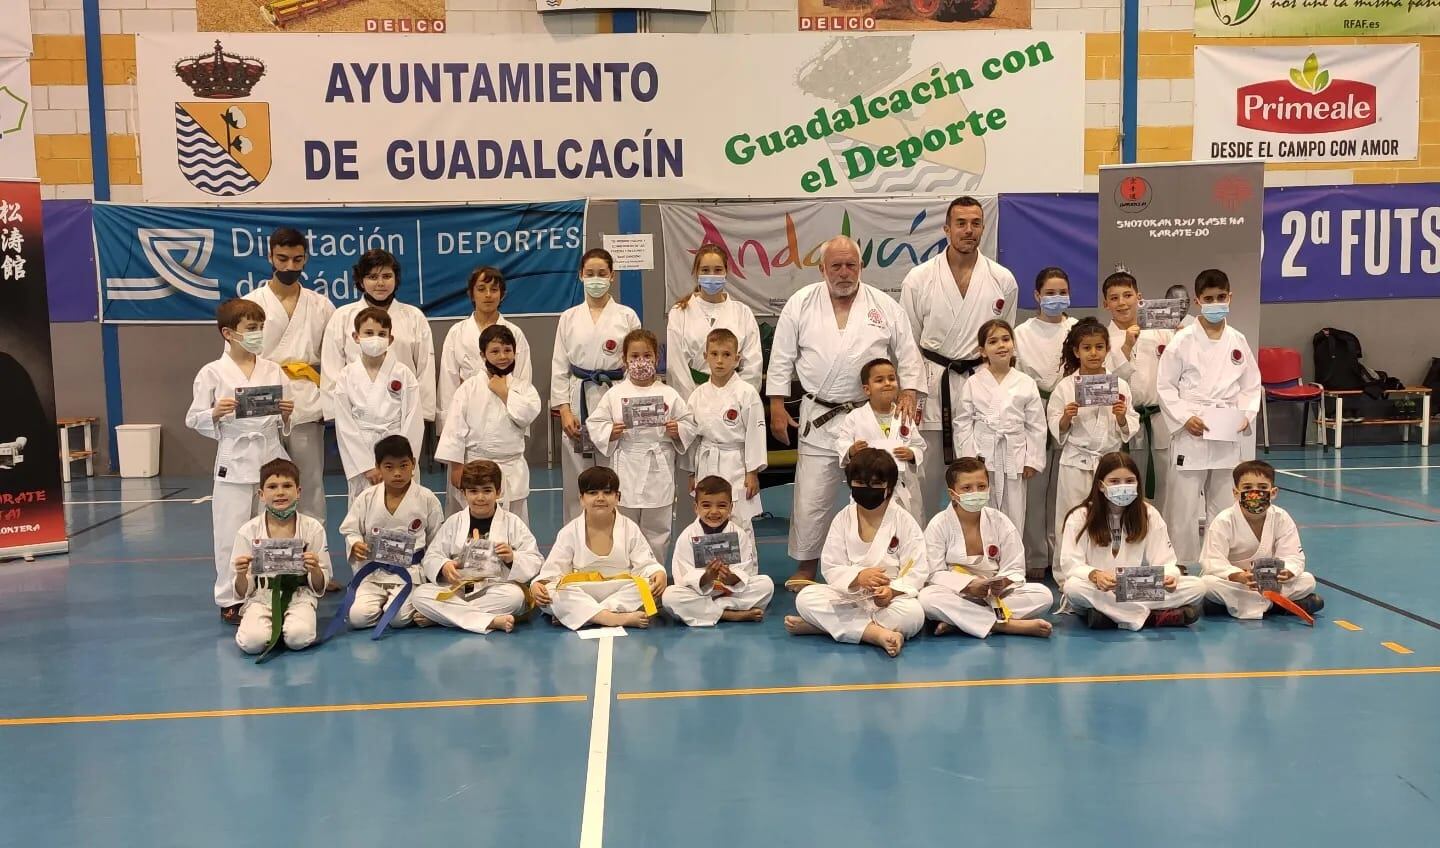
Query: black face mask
column 289, row 278
column 383, row 304
column 496, row 371
column 868, row 497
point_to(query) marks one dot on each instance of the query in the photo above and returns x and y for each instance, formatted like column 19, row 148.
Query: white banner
column 294, row 118
column 1307, row 104
column 774, row 248
column 15, row 31
column 664, row 5
column 17, row 121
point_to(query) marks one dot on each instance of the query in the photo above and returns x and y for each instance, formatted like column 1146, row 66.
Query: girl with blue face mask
column 709, row 306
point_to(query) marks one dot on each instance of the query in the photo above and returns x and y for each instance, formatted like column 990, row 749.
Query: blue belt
column 342, row 615
column 600, row 377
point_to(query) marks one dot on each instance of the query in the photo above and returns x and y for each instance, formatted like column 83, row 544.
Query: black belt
column 963, row 367
column 832, row 409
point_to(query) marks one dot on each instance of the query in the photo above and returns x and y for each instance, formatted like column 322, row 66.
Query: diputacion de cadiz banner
column 285, row 118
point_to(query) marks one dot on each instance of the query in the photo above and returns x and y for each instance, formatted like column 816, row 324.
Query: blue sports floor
column 128, row 717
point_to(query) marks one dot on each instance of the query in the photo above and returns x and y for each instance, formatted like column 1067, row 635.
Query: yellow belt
column 298, row 370
column 646, row 598
column 995, row 603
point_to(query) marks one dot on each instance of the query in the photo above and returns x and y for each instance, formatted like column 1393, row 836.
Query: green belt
column 282, row 587
column 1146, row 413
column 700, row 377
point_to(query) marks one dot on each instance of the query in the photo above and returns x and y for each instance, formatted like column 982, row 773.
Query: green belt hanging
column 700, row 377
column 1146, row 413
column 282, row 587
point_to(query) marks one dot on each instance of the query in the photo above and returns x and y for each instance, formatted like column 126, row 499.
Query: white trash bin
column 139, row 446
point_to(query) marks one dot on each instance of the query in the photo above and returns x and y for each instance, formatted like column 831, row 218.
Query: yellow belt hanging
column 646, row 598
column 995, row 603
column 297, row 370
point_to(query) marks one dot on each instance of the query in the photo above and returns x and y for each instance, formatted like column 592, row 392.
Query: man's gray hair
column 838, row 241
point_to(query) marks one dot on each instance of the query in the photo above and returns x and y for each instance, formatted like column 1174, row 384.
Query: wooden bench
column 1337, row 423
column 67, row 454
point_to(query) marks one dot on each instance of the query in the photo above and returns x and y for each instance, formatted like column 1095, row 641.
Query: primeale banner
column 288, row 118
column 1307, row 104
column 1299, row 18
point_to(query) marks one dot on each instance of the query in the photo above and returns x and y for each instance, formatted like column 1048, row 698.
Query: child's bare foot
column 756, row 614
column 1028, row 627
column 503, row 622
column 797, row 626
column 944, row 628
column 420, row 621
column 889, row 641
column 635, row 619
column 607, row 618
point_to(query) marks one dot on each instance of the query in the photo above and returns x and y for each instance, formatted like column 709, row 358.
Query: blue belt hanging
column 342, row 615
column 600, row 377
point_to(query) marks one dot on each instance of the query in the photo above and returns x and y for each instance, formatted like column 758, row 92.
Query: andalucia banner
column 354, row 119
column 1268, row 18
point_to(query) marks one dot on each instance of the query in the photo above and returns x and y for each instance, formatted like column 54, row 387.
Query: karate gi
column 245, row 444
column 864, row 425
column 298, row 629
column 419, row 514
column 898, row 548
column 590, row 346
column 1092, row 434
column 411, row 344
column 575, row 604
column 1079, row 557
column 1003, row 423
column 504, row 596
column 685, row 332
column 1140, row 370
column 1230, row 545
column 461, row 358
column 946, row 325
column 643, row 457
column 701, row 606
column 1197, row 374
column 367, row 411
column 294, row 341
column 729, row 441
column 827, row 360
column 481, row 426
column 1001, row 555
column 1039, row 347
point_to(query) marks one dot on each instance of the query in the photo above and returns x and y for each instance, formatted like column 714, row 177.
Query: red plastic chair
column 1280, row 377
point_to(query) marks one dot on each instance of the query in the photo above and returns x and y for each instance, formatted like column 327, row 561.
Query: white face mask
column 1122, row 494
column 253, row 341
column 596, row 287
column 971, row 501
column 374, row 345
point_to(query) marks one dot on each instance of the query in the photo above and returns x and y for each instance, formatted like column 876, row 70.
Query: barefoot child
column 706, row 592
column 874, row 563
column 297, row 595
column 1116, row 528
column 485, row 593
column 374, row 396
column 1254, row 528
column 729, row 428
column 601, row 570
column 978, row 585
column 878, row 425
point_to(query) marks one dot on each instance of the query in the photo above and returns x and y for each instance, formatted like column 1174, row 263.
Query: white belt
column 707, row 459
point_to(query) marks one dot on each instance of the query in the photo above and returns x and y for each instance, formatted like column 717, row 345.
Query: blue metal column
column 632, row 290
column 1129, row 81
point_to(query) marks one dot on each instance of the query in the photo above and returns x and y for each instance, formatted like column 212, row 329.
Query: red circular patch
column 894, row 543
column 876, row 317
column 732, row 414
column 904, row 429
column 1160, row 349
column 610, row 345
column 1236, row 355
column 415, row 525
column 396, row 385
column 999, row 306
column 993, row 552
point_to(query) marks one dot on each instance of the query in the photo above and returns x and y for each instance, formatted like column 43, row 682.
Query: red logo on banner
column 1132, row 194
column 1232, row 192
column 1281, row 106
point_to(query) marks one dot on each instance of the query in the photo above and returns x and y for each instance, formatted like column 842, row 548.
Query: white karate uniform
column 898, row 548
column 1002, row 555
column 1080, row 556
column 729, row 441
column 1092, row 434
column 480, row 426
column 685, row 332
column 1140, row 370
column 461, row 358
column 501, row 597
column 1039, row 346
column 297, row 338
column 700, row 606
column 593, row 346
column 298, row 630
column 864, row 425
column 827, row 360
column 367, row 410
column 418, row 513
column 411, row 343
column 1196, row 374
column 643, row 457
column 1003, row 423
column 574, row 605
column 947, row 323
column 1230, row 545
column 244, row 446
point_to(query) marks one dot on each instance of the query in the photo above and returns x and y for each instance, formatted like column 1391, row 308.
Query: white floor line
column 532, row 491
column 1289, row 473
column 592, row 820
column 153, row 500
column 1344, row 468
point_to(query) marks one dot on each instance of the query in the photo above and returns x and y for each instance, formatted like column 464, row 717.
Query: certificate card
column 1266, row 571
column 393, row 547
column 647, row 411
column 257, row 401
column 1222, row 423
column 1097, row 389
column 1164, row 314
column 479, row 562
column 273, row 557
column 722, row 546
column 1140, row 583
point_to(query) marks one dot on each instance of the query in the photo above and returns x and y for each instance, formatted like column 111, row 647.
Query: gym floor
column 129, row 717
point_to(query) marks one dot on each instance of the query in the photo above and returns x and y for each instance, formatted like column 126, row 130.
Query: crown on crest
column 220, row 75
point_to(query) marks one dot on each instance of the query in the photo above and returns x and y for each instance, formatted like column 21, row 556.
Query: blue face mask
column 1055, row 304
column 712, row 284
column 1215, row 312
